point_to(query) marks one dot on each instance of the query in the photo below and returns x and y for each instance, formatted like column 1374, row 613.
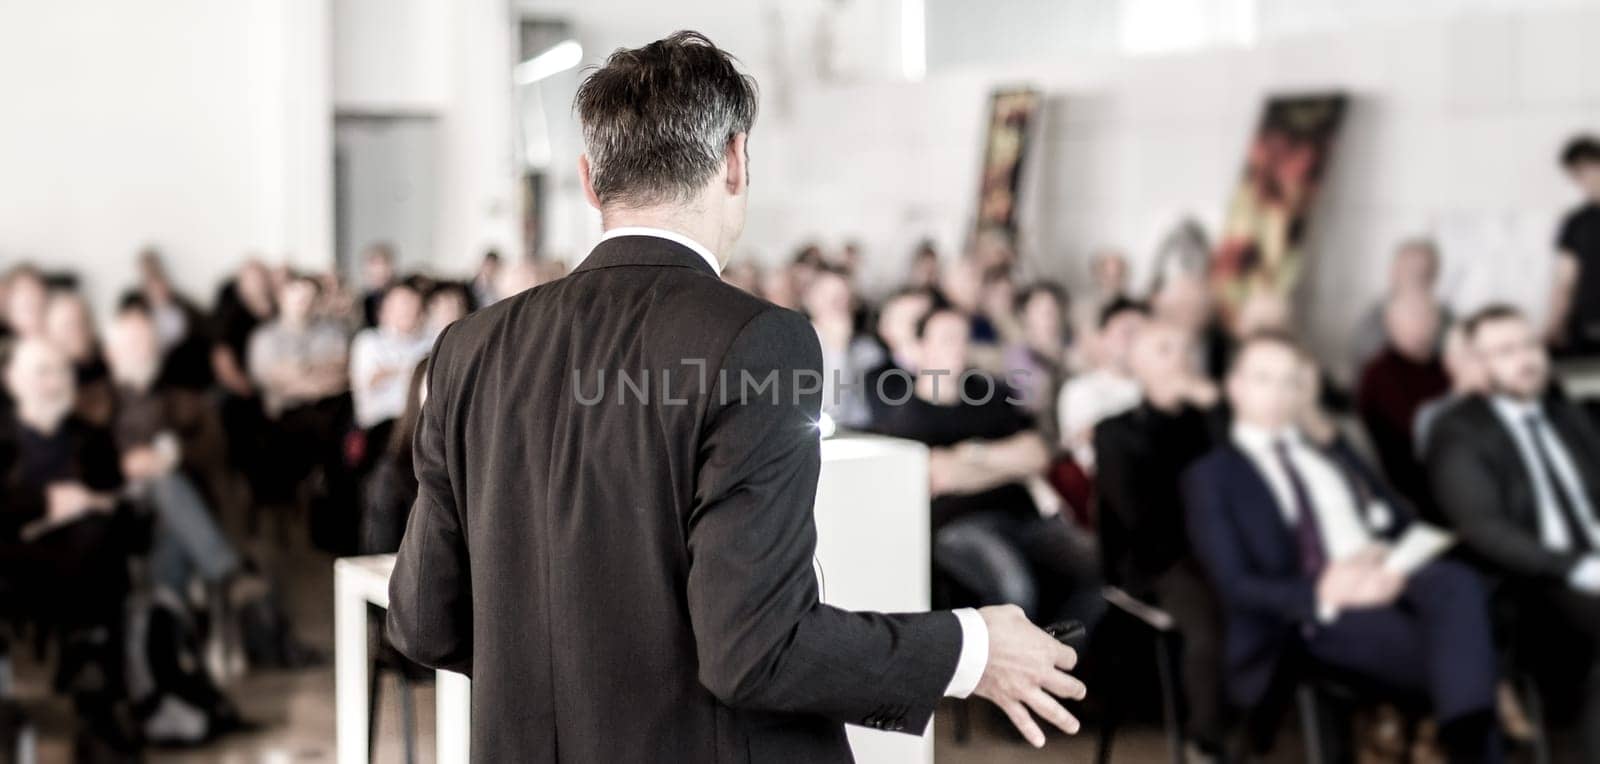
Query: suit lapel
column 1267, row 530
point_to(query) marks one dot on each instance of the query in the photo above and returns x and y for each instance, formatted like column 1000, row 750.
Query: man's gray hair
column 657, row 119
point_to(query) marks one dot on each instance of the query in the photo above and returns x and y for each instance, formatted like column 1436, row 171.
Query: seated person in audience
column 381, row 360
column 448, row 302
column 26, row 296
column 890, row 380
column 65, row 540
column 69, row 327
column 148, row 430
column 1141, row 456
column 1293, row 537
column 297, row 361
column 484, row 280
column 1395, row 384
column 999, row 304
column 1515, row 472
column 1467, row 378
column 1106, row 389
column 846, row 355
column 377, row 275
column 743, row 274
column 391, row 487
column 1108, row 283
column 1036, row 363
column 961, row 285
column 1183, row 297
column 1414, row 271
column 185, row 346
column 243, row 303
column 989, row 535
column 923, row 273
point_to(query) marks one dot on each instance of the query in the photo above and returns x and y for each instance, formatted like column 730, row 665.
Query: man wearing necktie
column 1294, row 535
column 1515, row 472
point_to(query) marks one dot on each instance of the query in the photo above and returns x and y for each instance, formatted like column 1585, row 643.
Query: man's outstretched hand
column 1027, row 671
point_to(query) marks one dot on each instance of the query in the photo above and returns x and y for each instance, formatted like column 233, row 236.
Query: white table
column 358, row 581
column 872, row 549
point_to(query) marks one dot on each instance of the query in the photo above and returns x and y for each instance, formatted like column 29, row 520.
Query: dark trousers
column 1435, row 641
column 1565, row 647
column 1184, row 592
column 1040, row 564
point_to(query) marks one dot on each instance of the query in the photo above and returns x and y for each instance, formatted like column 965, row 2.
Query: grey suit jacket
column 1486, row 494
column 627, row 575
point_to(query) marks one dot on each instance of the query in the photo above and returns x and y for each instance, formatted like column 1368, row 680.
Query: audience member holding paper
column 1294, row 530
column 1515, row 472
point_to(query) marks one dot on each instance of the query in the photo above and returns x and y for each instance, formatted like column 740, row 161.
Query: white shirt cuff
column 974, row 654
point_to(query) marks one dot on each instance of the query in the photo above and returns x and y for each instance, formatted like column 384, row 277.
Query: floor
column 294, row 709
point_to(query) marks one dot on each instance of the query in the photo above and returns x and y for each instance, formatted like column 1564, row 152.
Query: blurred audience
column 1294, row 534
column 1514, row 469
column 989, row 536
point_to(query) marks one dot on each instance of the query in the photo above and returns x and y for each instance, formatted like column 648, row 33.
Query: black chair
column 1167, row 644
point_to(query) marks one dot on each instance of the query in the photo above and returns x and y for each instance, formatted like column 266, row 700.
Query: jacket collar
column 638, row 245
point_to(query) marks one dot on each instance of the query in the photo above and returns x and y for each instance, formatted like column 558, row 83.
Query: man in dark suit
column 1515, row 472
column 1294, row 534
column 613, row 531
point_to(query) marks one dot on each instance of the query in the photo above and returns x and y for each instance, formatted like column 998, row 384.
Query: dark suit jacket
column 1484, row 490
column 1239, row 535
column 632, row 581
column 1140, row 458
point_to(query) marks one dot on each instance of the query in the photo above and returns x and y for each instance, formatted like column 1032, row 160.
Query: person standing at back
column 613, row 532
column 1574, row 327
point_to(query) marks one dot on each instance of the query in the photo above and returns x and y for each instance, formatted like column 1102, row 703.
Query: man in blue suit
column 1293, row 534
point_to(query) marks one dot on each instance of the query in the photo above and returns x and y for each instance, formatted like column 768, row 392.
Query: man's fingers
column 1064, row 685
column 1066, row 658
column 1024, row 723
column 1050, row 710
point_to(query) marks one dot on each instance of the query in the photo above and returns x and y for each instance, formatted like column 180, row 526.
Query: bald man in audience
column 1396, row 383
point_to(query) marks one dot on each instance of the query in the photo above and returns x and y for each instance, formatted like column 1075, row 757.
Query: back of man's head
column 657, row 120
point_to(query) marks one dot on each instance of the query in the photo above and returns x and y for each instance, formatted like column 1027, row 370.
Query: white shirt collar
column 1515, row 410
column 672, row 236
column 1255, row 438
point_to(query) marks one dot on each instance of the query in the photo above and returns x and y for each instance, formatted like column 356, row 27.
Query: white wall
column 1455, row 128
column 198, row 126
column 449, row 59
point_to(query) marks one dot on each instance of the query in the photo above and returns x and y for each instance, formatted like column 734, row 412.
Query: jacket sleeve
column 1216, row 545
column 430, row 591
column 1466, row 488
column 764, row 640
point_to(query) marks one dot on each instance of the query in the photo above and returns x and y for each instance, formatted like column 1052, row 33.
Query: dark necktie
column 1307, row 532
column 1565, row 502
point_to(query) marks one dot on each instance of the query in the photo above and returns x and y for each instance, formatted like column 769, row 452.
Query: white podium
column 872, row 553
column 872, row 548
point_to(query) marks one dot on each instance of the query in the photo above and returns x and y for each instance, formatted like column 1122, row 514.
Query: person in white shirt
column 1293, row 533
column 381, row 360
column 1515, row 472
column 1106, row 390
